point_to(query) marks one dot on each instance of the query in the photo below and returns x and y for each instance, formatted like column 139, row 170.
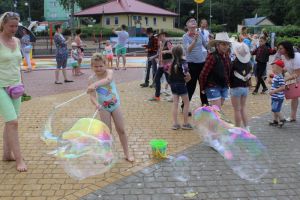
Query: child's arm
column 93, row 96
column 104, row 81
column 280, row 89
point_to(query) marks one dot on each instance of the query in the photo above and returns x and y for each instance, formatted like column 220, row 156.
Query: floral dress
column 61, row 50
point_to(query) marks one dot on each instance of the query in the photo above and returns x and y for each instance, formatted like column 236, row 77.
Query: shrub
column 294, row 40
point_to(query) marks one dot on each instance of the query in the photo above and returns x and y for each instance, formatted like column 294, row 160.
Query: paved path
column 145, row 120
column 211, row 178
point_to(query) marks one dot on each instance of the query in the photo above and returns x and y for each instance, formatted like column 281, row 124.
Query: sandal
column 273, row 123
column 176, row 127
column 187, row 127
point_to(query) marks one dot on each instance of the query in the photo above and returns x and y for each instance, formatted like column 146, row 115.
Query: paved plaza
column 145, row 178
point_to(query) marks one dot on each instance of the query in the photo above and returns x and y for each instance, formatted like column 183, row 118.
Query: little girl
column 104, row 95
column 109, row 53
column 179, row 75
column 74, row 59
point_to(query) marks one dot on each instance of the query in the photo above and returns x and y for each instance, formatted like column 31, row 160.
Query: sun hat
column 74, row 44
column 242, row 52
column 188, row 19
column 220, row 37
column 279, row 63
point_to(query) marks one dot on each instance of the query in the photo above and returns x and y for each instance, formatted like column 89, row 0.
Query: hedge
column 294, row 40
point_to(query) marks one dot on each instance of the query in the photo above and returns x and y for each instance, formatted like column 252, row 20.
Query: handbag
column 292, row 91
column 15, row 91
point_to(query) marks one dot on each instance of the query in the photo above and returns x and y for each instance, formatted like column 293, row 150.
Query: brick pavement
column 211, row 178
column 145, row 120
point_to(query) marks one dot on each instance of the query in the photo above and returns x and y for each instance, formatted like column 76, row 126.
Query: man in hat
column 151, row 49
column 214, row 78
column 193, row 43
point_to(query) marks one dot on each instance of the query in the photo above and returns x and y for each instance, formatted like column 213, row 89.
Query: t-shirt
column 277, row 82
column 196, row 55
column 10, row 63
column 178, row 72
column 205, row 35
column 292, row 64
column 122, row 37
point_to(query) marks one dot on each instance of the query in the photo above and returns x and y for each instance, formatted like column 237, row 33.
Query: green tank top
column 10, row 63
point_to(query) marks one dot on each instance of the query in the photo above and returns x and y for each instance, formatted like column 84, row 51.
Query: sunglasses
column 12, row 14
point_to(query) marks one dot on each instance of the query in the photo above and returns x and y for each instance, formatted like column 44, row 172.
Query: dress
column 61, row 50
column 108, row 97
column 9, row 75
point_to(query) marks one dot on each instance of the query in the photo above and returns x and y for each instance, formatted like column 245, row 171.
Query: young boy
column 277, row 93
column 262, row 57
column 74, row 59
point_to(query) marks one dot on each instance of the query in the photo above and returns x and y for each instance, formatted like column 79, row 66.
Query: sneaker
column 154, row 99
column 264, row 90
column 152, row 85
column 144, row 85
column 175, row 127
column 68, row 81
column 280, row 124
column 290, row 120
column 273, row 123
column 254, row 92
column 187, row 127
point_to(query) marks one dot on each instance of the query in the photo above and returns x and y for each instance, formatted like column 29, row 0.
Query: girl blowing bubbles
column 179, row 75
column 104, row 95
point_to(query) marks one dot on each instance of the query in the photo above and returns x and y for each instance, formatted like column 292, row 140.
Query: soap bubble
column 242, row 151
column 180, row 165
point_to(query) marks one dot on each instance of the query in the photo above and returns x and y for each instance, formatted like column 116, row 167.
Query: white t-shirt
column 122, row 37
column 292, row 64
column 205, row 36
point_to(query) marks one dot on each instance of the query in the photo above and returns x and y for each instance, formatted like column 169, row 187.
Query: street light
column 29, row 13
column 192, row 12
column 15, row 5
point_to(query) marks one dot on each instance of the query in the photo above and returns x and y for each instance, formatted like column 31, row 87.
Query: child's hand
column 91, row 88
column 187, row 77
column 271, row 92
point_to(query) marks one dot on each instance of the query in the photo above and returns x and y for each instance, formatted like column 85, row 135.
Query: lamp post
column 15, row 5
column 192, row 12
column 29, row 12
column 179, row 14
column 210, row 16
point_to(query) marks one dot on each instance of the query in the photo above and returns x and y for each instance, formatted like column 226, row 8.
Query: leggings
column 260, row 70
column 27, row 58
column 9, row 108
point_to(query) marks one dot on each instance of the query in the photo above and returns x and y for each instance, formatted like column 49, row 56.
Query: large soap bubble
column 243, row 152
column 85, row 149
column 180, row 167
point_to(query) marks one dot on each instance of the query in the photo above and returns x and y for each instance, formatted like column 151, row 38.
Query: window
column 134, row 18
column 107, row 21
column 140, row 18
column 164, row 19
column 116, row 20
column 53, row 3
column 147, row 22
column 154, row 21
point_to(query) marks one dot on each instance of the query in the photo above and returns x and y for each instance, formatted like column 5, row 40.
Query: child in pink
column 109, row 53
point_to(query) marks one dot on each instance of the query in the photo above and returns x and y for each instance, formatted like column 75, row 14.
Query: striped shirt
column 196, row 55
column 277, row 82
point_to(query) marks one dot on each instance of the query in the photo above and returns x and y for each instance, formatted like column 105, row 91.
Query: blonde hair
column 177, row 52
column 98, row 57
column 5, row 17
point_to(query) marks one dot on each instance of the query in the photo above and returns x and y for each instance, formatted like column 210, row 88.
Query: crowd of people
column 220, row 65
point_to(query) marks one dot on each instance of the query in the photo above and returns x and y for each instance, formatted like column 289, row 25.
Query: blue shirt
column 277, row 82
column 196, row 55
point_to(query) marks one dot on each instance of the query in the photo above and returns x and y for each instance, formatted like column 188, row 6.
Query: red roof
column 124, row 6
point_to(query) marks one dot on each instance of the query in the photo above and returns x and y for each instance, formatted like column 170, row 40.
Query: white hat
column 242, row 52
column 74, row 44
column 220, row 37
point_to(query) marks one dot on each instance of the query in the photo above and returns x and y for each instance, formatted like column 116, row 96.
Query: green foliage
column 174, row 32
column 285, row 31
column 294, row 40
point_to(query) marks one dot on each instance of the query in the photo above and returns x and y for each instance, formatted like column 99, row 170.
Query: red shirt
column 209, row 64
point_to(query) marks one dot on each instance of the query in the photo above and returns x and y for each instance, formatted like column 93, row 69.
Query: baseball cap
column 279, row 63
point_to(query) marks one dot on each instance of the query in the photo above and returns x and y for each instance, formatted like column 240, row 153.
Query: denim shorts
column 179, row 89
column 215, row 93
column 276, row 105
column 239, row 92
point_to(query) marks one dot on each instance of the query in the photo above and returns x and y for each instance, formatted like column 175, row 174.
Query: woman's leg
column 175, row 108
column 217, row 102
column 243, row 111
column 12, row 139
column 7, row 153
column 235, row 101
column 120, row 128
column 185, row 99
column 294, row 106
column 28, row 61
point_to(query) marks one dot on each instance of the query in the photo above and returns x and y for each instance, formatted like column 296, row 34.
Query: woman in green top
column 10, row 60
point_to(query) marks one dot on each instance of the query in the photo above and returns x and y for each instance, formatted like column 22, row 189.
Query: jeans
column 160, row 71
column 151, row 63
